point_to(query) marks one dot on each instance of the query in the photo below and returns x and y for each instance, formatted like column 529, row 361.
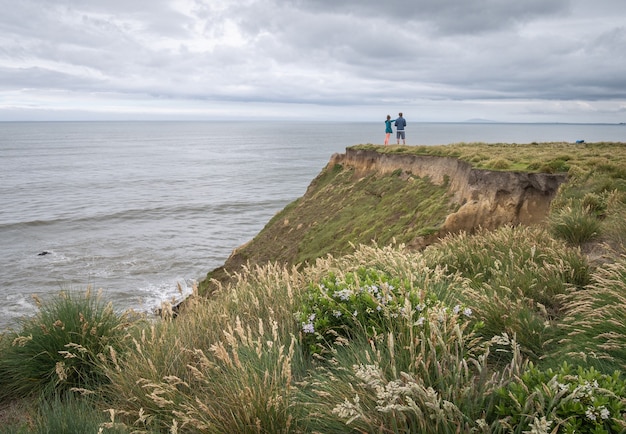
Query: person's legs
column 398, row 134
column 403, row 139
column 387, row 138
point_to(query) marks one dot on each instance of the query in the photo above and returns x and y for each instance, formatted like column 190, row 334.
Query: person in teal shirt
column 388, row 129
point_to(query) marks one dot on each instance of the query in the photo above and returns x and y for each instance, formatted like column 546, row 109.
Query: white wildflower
column 604, row 412
column 336, row 313
column 590, row 413
column 307, row 327
column 556, row 386
column 456, row 309
column 344, row 294
column 467, row 312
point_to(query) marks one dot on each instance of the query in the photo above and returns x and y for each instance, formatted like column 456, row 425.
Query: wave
column 149, row 213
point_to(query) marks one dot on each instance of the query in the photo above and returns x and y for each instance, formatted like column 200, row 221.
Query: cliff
column 364, row 196
column 486, row 198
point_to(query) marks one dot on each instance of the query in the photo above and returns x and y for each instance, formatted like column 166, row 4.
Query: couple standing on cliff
column 400, row 123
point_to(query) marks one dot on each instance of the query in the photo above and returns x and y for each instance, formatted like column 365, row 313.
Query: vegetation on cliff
column 344, row 207
column 509, row 330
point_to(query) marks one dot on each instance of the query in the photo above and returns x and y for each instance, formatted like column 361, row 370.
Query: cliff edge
column 486, row 198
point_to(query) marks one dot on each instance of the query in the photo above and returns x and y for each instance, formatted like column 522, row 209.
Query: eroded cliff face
column 486, row 198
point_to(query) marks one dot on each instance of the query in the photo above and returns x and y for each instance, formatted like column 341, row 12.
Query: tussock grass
column 577, row 224
column 595, row 320
column 225, row 365
column 516, row 276
column 614, row 223
column 59, row 348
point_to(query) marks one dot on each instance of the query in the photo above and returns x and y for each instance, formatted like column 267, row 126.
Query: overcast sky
column 435, row 60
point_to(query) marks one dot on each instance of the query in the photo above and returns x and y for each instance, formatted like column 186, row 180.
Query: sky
column 337, row 60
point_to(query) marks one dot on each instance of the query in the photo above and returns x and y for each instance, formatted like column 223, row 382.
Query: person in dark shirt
column 400, row 124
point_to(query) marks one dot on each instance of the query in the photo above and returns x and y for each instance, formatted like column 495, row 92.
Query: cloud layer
column 446, row 60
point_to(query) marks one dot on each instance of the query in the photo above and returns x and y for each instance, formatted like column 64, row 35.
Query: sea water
column 142, row 210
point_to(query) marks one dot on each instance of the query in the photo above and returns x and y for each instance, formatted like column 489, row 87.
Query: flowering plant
column 581, row 400
column 368, row 300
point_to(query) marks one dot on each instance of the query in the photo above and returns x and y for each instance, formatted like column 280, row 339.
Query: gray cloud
column 443, row 16
column 195, row 55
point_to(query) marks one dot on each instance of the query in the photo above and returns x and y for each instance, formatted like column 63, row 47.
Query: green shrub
column 368, row 300
column 567, row 400
column 59, row 347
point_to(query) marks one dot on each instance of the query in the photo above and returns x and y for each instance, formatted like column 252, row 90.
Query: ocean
column 137, row 210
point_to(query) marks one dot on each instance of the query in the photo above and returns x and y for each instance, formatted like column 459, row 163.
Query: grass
column 496, row 331
column 594, row 321
column 59, row 348
column 239, row 362
column 605, row 157
column 69, row 414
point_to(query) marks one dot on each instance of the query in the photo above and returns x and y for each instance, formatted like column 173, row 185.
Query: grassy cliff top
column 533, row 157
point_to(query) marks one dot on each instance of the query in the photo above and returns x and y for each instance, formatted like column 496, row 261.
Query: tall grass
column 432, row 378
column 59, row 348
column 614, row 223
column 516, row 276
column 225, row 365
column 575, row 224
column 459, row 324
column 69, row 414
column 595, row 322
column 238, row 363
